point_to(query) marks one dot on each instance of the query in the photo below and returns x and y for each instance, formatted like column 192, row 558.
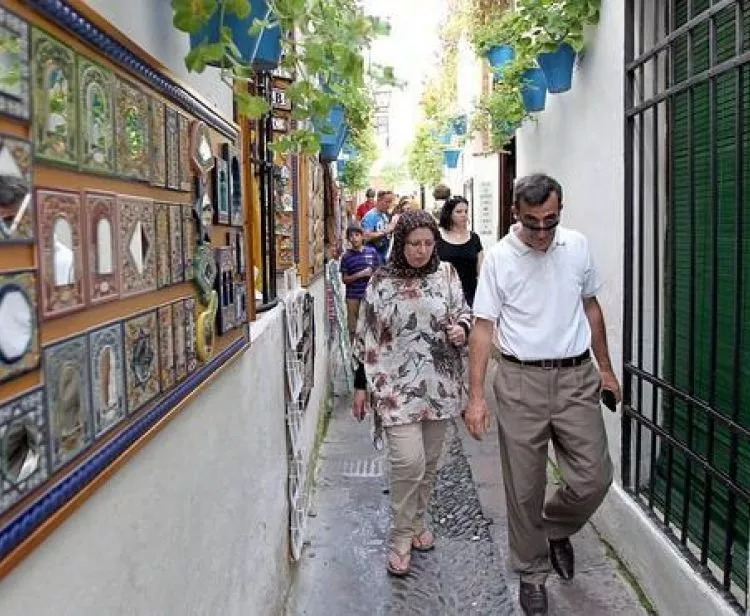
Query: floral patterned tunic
column 413, row 371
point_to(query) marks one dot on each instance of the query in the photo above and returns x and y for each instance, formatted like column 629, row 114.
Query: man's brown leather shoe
column 562, row 557
column 533, row 599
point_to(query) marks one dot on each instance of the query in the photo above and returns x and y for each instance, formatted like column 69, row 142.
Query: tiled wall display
column 122, row 254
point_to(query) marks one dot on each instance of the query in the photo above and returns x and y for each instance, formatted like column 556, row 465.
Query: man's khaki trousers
column 536, row 405
column 413, row 453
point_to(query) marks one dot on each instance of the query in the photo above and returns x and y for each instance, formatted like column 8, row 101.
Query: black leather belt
column 549, row 364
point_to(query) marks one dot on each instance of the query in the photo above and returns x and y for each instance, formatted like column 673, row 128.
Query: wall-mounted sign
column 280, row 124
column 483, row 217
column 279, row 99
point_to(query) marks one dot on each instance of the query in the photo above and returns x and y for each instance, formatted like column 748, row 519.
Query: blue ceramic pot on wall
column 459, row 125
column 534, row 90
column 558, row 68
column 500, row 55
column 261, row 52
column 445, row 138
column 450, row 158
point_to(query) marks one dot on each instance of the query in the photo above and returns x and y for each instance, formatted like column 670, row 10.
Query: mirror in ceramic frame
column 60, row 223
column 16, row 196
column 203, row 211
column 96, row 121
column 205, row 271
column 141, row 360
column 132, row 131
column 236, row 211
column 225, row 289
column 201, row 150
column 14, row 65
column 221, row 192
column 137, row 244
column 55, row 116
column 158, row 144
column 163, row 254
column 23, row 446
column 19, row 325
column 166, row 348
column 107, row 366
column 66, row 378
column 176, row 261
column 101, row 219
column 206, row 329
column 172, row 148
column 191, row 353
column 178, row 340
column 189, row 240
column 186, row 169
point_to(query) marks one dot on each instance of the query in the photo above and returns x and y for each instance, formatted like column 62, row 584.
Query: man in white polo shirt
column 537, row 297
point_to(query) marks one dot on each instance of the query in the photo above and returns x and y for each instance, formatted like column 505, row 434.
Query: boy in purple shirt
column 357, row 265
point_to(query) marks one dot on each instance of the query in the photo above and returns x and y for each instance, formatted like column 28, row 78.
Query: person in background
column 459, row 245
column 377, row 225
column 412, row 326
column 367, row 204
column 440, row 194
column 357, row 265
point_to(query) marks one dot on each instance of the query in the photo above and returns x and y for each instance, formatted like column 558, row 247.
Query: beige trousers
column 413, row 453
column 352, row 315
column 534, row 406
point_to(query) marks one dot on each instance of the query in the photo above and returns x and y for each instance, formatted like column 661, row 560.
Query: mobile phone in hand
column 609, row 400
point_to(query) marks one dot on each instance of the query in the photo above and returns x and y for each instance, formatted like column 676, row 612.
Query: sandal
column 398, row 564
column 423, row 542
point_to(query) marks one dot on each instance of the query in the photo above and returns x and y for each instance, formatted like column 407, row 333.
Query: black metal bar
column 268, row 154
column 691, row 23
column 639, row 284
column 711, row 72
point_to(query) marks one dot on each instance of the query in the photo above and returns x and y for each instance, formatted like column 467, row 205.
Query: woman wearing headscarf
column 412, row 325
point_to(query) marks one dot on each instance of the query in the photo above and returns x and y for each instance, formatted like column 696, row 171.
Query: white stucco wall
column 195, row 522
column 579, row 139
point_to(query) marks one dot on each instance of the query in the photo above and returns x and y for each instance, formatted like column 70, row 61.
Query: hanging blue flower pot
column 534, row 90
column 261, row 52
column 499, row 56
column 459, row 125
column 558, row 68
column 450, row 158
column 445, row 137
column 330, row 149
column 340, row 166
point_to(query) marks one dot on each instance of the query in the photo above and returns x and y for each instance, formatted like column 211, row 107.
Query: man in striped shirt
column 357, row 265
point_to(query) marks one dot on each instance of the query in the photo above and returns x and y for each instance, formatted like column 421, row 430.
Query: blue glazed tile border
column 67, row 17
column 37, row 512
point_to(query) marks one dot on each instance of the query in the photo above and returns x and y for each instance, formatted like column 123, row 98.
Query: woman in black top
column 459, row 246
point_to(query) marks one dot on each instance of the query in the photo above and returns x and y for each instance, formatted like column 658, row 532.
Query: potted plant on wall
column 500, row 112
column 493, row 27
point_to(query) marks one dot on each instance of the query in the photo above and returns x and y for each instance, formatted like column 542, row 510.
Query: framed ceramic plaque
column 166, row 348
column 16, row 197
column 203, row 210
column 107, row 366
column 172, row 148
column 201, row 152
column 191, row 332
column 178, row 338
column 163, row 254
column 96, row 120
column 60, row 237
column 14, row 65
column 225, row 288
column 141, row 360
column 236, row 212
column 221, row 192
column 158, row 144
column 132, row 123
column 177, row 263
column 23, row 447
column 137, row 239
column 19, row 326
column 66, row 378
column 100, row 214
column 53, row 75
column 189, row 240
column 240, row 303
column 236, row 241
column 186, row 172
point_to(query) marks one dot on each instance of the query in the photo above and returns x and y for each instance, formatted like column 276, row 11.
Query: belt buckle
column 548, row 364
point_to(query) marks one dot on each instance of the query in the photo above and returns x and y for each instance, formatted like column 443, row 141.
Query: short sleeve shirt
column 375, row 220
column 353, row 262
column 536, row 298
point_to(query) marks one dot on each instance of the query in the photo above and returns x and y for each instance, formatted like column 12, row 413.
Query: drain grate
column 362, row 468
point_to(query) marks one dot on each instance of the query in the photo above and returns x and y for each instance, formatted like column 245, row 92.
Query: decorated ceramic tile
column 96, row 121
column 205, row 324
column 221, row 192
column 137, row 239
column 66, row 378
column 191, row 354
column 201, row 152
column 189, row 240
column 53, row 75
column 14, row 65
column 16, row 197
column 236, row 212
column 178, row 338
column 186, row 171
column 177, row 263
column 107, row 366
column 132, row 123
column 166, row 348
column 172, row 145
column 141, row 359
column 205, row 270
column 61, row 251
column 163, row 254
column 203, row 210
column 224, row 283
column 158, row 144
column 236, row 241
column 240, row 303
column 100, row 214
column 19, row 326
column 23, row 447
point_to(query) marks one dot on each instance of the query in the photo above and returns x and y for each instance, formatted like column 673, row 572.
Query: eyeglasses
column 417, row 243
column 546, row 225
